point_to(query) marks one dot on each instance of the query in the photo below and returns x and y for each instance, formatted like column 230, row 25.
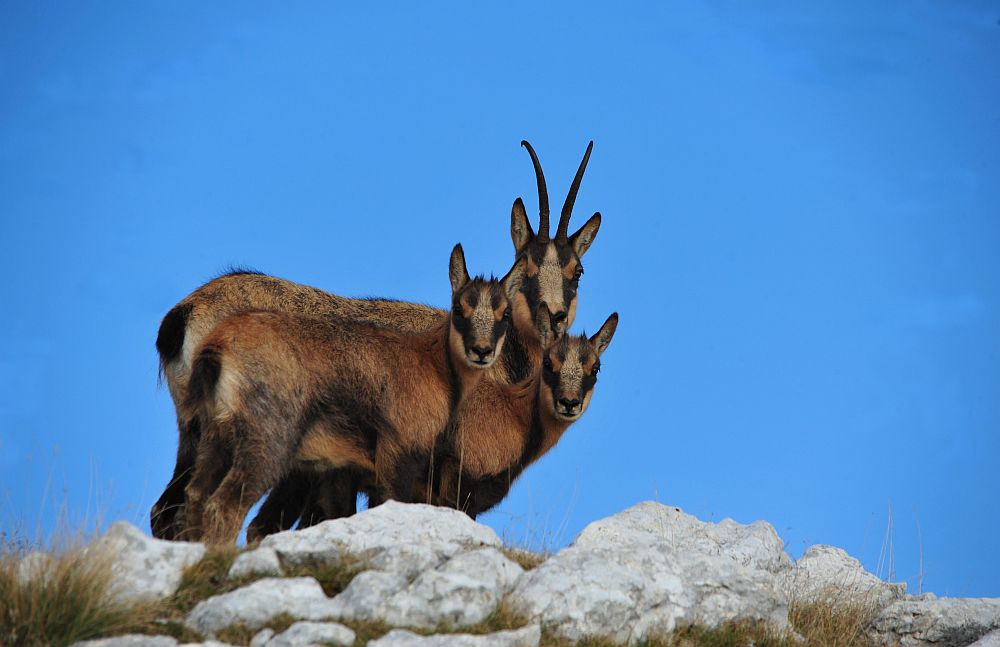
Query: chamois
column 553, row 272
column 494, row 439
column 273, row 390
column 553, row 275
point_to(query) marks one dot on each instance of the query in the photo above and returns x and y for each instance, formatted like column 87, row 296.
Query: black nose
column 482, row 351
column 569, row 405
column 557, row 318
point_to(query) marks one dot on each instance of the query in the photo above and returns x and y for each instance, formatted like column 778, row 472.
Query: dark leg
column 213, row 463
column 282, row 507
column 412, row 466
column 166, row 517
column 334, row 496
column 260, row 461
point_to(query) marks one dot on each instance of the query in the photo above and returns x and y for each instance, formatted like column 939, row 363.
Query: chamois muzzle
column 480, row 355
column 568, row 408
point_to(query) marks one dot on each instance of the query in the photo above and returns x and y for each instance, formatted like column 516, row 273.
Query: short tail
column 170, row 338
column 204, row 376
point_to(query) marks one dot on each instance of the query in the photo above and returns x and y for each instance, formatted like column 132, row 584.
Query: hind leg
column 282, row 507
column 166, row 518
column 213, row 462
column 260, row 461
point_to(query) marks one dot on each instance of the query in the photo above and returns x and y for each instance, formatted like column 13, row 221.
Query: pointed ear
column 512, row 282
column 582, row 239
column 602, row 339
column 543, row 324
column 520, row 229
column 457, row 273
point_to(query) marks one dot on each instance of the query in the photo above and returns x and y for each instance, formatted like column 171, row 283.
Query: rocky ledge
column 418, row 569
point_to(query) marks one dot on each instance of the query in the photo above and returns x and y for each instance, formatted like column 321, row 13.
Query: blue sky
column 800, row 232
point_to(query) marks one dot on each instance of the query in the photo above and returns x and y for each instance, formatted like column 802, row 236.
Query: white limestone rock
column 129, row 640
column 144, row 569
column 396, row 537
column 829, row 573
column 651, row 567
column 463, row 591
column 528, row 636
column 991, row 639
column 261, row 561
column 938, row 622
column 261, row 637
column 364, row 596
column 652, row 524
column 313, row 633
column 255, row 604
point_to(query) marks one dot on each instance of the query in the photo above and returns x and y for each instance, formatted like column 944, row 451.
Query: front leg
column 411, row 466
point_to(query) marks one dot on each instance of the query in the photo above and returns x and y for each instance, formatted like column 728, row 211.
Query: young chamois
column 493, row 440
column 274, row 390
column 554, row 275
column 185, row 326
column 553, row 270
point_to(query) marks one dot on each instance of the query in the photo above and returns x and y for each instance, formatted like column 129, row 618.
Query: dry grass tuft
column 206, row 578
column 241, row 635
column 60, row 596
column 332, row 576
column 835, row 618
column 526, row 558
column 730, row 634
column 366, row 630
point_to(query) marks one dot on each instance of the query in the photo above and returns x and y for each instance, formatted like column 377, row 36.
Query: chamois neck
column 521, row 355
column 463, row 377
column 542, row 429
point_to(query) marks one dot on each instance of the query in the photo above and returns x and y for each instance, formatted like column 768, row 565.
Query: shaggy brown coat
column 272, row 390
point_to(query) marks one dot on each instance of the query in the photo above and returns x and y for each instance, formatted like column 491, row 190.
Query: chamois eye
column 597, row 369
column 578, row 273
column 506, row 314
column 547, row 363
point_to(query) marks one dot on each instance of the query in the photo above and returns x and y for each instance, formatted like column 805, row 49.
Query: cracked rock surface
column 636, row 574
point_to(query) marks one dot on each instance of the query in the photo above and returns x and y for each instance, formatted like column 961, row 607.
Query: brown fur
column 236, row 293
column 501, row 429
column 273, row 389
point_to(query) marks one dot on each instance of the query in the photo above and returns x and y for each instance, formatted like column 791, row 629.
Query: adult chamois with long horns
column 274, row 390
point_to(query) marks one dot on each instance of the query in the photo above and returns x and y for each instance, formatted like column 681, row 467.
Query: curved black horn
column 543, row 195
column 567, row 209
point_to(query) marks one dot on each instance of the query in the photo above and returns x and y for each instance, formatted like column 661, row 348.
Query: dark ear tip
column 613, row 318
column 518, row 202
column 596, row 216
column 457, row 249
